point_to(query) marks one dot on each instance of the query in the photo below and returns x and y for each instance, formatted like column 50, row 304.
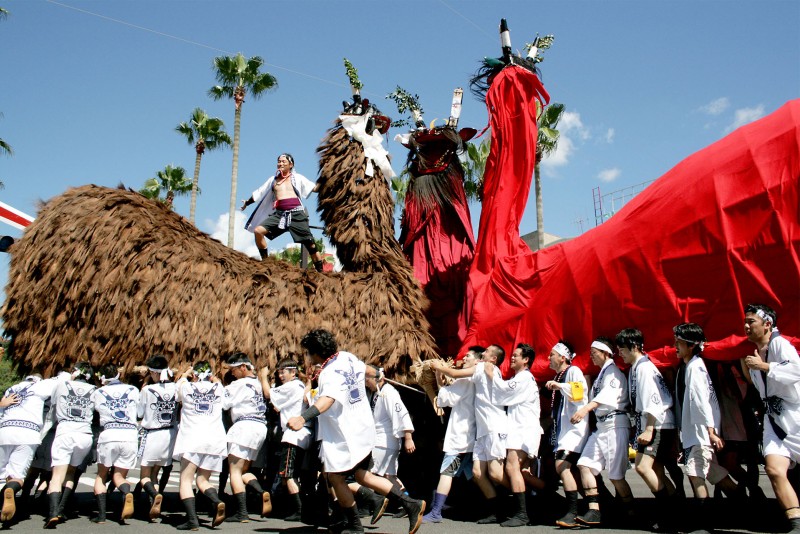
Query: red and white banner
column 14, row 217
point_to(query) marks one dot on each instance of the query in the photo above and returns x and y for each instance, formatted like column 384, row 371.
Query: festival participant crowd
column 331, row 431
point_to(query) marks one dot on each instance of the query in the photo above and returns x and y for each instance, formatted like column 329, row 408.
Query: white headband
column 76, row 373
column 239, row 364
column 563, row 350
column 163, row 374
column 764, row 316
column 701, row 344
column 599, row 345
column 104, row 380
column 205, row 374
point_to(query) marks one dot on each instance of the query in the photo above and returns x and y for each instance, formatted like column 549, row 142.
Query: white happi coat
column 610, row 392
column 158, row 405
column 699, row 407
column 265, row 197
column 248, row 413
column 201, row 430
column 781, row 393
column 460, row 434
column 22, row 423
column 391, row 418
column 521, row 394
column 649, row 394
column 289, row 399
column 74, row 407
column 571, row 436
column 489, row 417
column 117, row 405
column 346, row 429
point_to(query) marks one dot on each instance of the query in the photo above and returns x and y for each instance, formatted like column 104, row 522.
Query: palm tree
column 205, row 133
column 238, row 75
column 400, row 187
column 474, row 166
column 5, row 149
column 172, row 181
column 546, row 143
column 294, row 255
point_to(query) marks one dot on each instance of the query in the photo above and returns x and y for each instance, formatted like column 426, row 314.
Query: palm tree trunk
column 537, row 182
column 234, row 174
column 195, row 181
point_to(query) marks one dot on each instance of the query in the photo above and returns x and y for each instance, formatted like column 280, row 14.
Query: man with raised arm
column 521, row 396
column 459, row 438
column 607, row 447
column 774, row 370
column 491, row 424
column 280, row 209
column 567, row 438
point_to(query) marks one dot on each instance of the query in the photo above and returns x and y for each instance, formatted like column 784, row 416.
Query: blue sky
column 92, row 90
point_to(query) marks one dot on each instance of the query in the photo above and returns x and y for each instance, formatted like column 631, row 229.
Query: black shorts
column 364, row 464
column 663, row 447
column 298, row 226
column 291, row 456
column 568, row 456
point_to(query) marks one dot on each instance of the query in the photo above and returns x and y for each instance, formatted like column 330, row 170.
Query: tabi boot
column 241, row 513
column 127, row 502
column 295, row 508
column 217, row 507
column 413, row 507
column 592, row 516
column 354, row 525
column 492, row 504
column 100, row 518
column 9, row 504
column 156, row 499
column 54, row 499
column 568, row 520
column 192, row 523
column 435, row 515
column 519, row 516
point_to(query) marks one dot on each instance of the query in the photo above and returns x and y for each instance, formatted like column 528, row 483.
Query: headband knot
column 564, row 351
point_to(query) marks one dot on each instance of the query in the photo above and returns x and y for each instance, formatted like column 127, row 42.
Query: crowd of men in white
column 493, row 433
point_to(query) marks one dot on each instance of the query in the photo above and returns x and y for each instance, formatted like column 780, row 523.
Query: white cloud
column 560, row 157
column 242, row 239
column 610, row 133
column 609, row 175
column 571, row 122
column 743, row 116
column 717, row 106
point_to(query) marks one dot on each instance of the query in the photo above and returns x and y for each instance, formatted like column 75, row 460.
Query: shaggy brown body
column 358, row 211
column 109, row 276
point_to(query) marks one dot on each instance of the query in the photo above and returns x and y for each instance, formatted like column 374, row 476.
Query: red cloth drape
column 716, row 232
column 439, row 243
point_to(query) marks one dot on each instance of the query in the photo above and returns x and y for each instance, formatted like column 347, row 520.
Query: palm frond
column 5, row 148
column 218, row 92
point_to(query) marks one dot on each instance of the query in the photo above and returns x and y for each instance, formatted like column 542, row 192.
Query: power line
column 484, row 32
column 228, row 52
column 194, row 43
column 131, row 25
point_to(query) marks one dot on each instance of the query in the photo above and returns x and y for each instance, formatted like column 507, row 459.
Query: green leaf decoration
column 352, row 74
